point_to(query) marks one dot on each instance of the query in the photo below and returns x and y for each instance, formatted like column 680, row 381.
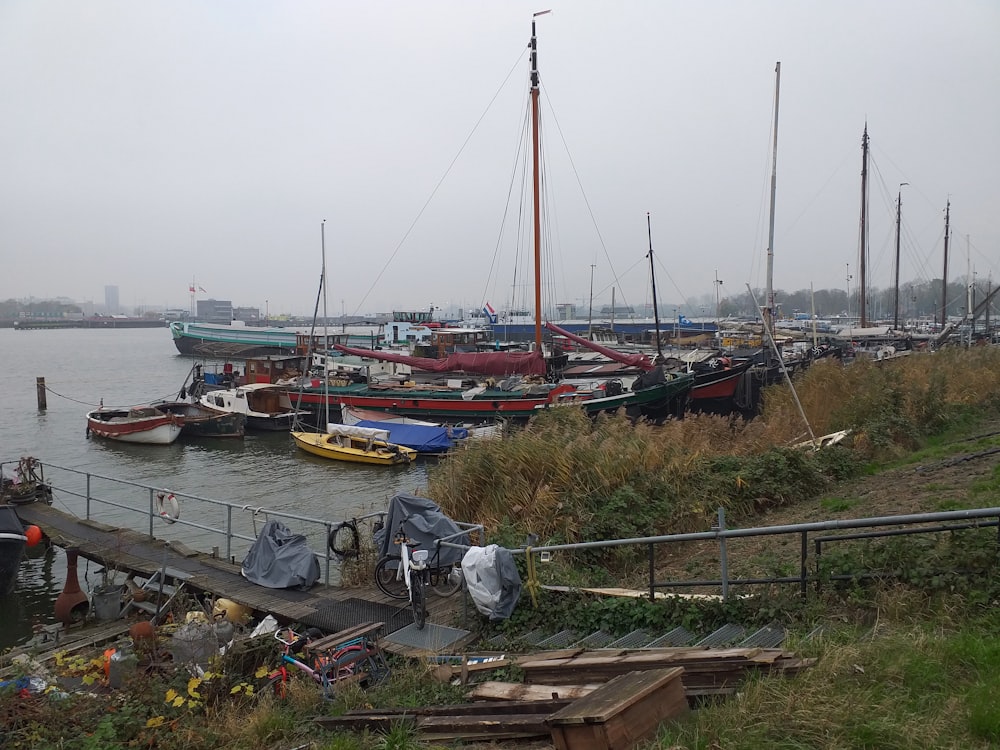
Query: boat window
column 219, row 401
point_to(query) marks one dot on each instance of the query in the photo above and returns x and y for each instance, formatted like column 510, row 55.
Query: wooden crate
column 621, row 712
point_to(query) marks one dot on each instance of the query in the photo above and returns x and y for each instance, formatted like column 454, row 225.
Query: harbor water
column 124, row 367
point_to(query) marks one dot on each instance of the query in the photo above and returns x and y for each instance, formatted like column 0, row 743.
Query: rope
column 532, row 584
column 88, row 403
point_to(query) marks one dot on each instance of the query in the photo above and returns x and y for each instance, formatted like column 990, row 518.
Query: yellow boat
column 363, row 445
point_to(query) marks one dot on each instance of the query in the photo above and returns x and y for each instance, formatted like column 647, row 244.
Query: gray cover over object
column 280, row 559
column 492, row 579
column 424, row 523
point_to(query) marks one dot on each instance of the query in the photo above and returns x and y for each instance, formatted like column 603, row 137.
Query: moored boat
column 363, row 445
column 142, row 424
column 12, row 544
column 264, row 406
column 202, row 421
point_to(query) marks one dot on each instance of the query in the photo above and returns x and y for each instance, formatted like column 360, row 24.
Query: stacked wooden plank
column 706, row 671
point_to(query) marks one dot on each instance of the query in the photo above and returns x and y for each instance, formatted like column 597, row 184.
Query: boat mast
column 535, row 180
column 862, row 285
column 326, row 340
column 652, row 276
column 899, row 215
column 944, row 277
column 768, row 311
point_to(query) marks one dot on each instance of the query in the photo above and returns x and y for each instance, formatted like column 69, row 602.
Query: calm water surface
column 134, row 366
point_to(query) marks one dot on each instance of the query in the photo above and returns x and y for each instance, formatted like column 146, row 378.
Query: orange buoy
column 34, row 535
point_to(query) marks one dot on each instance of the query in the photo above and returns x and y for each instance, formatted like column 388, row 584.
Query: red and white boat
column 143, row 424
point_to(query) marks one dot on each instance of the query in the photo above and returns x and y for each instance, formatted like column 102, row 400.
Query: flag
column 202, row 289
column 191, row 289
column 490, row 313
column 683, row 320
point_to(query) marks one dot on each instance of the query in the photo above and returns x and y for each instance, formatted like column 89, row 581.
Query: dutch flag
column 490, row 313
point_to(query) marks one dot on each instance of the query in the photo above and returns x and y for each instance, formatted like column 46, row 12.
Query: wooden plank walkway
column 329, row 608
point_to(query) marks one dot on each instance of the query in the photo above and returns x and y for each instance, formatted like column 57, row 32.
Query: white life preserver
column 167, row 507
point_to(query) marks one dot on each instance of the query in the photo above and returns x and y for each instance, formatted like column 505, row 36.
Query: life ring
column 167, row 507
column 352, row 549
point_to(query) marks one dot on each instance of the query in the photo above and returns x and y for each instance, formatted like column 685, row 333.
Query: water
column 126, row 367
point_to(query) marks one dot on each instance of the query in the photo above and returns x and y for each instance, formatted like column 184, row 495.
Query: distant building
column 215, row 311
column 249, row 315
column 111, row 299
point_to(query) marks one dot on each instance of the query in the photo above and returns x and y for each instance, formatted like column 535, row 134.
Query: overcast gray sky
column 146, row 144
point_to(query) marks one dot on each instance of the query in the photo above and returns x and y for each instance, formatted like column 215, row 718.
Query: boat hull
column 325, row 446
column 132, row 426
column 211, row 340
column 12, row 544
column 200, row 421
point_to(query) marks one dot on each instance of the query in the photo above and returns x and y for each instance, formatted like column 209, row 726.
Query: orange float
column 34, row 535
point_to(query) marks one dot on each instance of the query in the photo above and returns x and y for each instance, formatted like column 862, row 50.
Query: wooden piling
column 40, row 391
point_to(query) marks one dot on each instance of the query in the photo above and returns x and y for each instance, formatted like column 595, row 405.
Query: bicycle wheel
column 418, row 598
column 446, row 581
column 385, row 578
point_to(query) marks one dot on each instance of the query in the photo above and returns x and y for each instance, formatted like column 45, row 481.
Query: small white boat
column 135, row 425
column 266, row 406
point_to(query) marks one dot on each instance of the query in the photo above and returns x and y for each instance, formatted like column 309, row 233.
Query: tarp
column 366, row 430
column 492, row 579
column 422, row 438
column 481, row 363
column 280, row 559
column 634, row 360
column 424, row 522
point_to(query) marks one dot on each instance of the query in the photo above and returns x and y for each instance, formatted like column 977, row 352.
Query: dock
column 329, row 608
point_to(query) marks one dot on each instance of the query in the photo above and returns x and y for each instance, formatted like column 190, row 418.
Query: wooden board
column 620, row 713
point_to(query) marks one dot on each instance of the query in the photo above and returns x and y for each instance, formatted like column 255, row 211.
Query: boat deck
column 330, row 608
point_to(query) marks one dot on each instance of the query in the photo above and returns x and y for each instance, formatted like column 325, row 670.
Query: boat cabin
column 445, row 341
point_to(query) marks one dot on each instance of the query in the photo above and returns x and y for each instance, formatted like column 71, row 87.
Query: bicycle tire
column 418, row 598
column 385, row 578
column 446, row 582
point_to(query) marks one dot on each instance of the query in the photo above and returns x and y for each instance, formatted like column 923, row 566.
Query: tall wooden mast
column 652, row 277
column 535, row 183
column 769, row 305
column 944, row 276
column 862, row 283
column 899, row 216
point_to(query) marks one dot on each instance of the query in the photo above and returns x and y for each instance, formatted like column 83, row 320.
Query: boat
column 202, row 421
column 12, row 544
column 235, row 340
column 461, row 431
column 363, row 445
column 265, row 406
column 137, row 424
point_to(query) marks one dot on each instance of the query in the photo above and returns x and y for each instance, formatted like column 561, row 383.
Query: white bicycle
column 406, row 576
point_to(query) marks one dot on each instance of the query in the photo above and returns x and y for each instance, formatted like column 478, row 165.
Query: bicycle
column 352, row 659
column 441, row 580
column 411, row 570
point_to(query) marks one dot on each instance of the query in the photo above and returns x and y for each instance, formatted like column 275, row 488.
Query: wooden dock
column 329, row 608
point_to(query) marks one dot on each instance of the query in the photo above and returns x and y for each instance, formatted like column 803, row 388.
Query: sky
column 152, row 145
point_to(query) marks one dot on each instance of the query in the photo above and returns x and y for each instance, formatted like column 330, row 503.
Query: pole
column 862, row 282
column 535, row 184
column 652, row 276
column 849, row 277
column 40, row 393
column 899, row 216
column 768, row 312
column 590, row 312
column 944, row 276
column 718, row 298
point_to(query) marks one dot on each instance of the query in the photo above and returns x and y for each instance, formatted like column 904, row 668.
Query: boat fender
column 167, row 507
column 352, row 547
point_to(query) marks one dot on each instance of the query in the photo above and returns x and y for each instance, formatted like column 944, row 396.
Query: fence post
column 87, row 514
column 151, row 511
column 818, row 544
column 229, row 532
column 652, row 574
column 723, row 560
column 804, row 551
column 328, row 527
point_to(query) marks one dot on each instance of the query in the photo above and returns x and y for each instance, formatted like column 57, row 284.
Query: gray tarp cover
column 492, row 579
column 280, row 559
column 423, row 522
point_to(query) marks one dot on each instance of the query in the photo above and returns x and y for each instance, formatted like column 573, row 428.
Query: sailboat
column 516, row 399
column 341, row 442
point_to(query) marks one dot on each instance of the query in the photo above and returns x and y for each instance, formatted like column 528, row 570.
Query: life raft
column 167, row 507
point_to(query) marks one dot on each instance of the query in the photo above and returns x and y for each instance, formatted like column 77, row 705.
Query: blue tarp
column 421, row 438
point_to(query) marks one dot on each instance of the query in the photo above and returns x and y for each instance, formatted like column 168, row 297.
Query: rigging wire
column 437, row 186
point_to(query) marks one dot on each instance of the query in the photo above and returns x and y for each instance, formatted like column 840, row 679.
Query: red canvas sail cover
column 482, row 363
column 633, row 360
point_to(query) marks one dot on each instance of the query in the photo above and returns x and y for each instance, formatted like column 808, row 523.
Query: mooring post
column 40, row 391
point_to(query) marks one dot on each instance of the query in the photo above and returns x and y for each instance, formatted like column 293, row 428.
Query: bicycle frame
column 413, row 561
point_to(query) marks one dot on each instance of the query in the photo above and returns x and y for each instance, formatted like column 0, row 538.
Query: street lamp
column 849, row 277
